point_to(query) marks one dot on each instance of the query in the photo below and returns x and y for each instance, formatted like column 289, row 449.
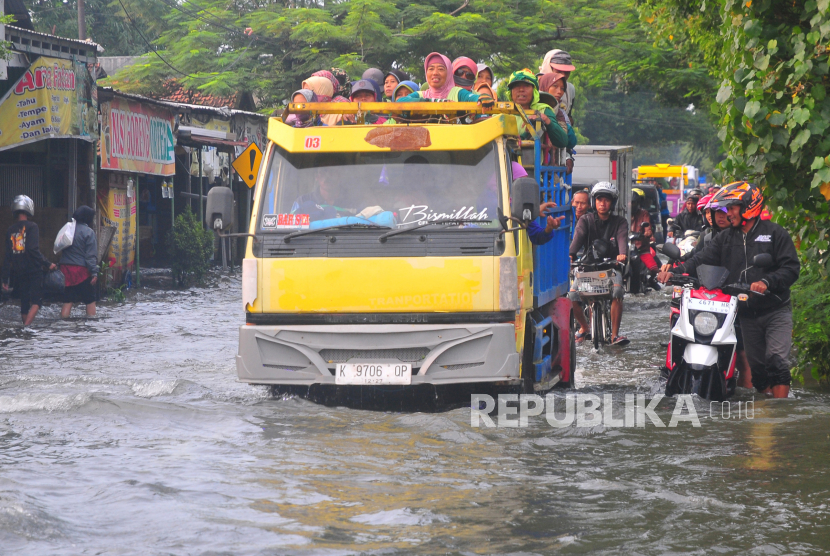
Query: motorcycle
column 639, row 274
column 700, row 358
column 593, row 281
column 686, row 243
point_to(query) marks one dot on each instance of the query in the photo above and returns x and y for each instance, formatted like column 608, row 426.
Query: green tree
column 5, row 46
column 770, row 60
column 190, row 247
column 105, row 22
column 205, row 45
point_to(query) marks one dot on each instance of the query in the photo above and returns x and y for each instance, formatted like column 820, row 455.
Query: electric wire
column 171, row 66
column 642, row 120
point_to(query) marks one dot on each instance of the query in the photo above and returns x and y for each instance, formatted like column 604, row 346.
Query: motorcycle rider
column 580, row 202
column 766, row 321
column 718, row 218
column 640, row 216
column 703, row 209
column 601, row 223
column 690, row 218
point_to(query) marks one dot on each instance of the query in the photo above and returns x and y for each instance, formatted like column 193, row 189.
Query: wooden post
column 201, row 191
column 137, row 234
column 81, row 20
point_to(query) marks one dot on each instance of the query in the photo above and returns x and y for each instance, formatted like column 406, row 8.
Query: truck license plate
column 373, row 373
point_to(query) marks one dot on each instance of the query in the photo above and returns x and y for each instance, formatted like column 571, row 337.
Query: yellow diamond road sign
column 247, row 164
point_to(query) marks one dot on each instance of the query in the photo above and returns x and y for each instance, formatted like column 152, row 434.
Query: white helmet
column 604, row 188
column 23, row 203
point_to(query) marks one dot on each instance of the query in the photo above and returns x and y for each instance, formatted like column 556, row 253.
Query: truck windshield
column 387, row 189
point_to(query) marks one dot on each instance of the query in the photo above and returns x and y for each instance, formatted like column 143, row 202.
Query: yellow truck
column 389, row 256
column 684, row 176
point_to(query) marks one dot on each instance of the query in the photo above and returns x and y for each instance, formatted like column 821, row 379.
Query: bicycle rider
column 601, row 223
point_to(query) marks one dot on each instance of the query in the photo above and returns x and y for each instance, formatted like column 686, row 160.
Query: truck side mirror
column 762, row 260
column 219, row 210
column 524, row 199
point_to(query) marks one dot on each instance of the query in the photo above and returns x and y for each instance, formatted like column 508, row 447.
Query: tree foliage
column 5, row 46
column 770, row 60
column 105, row 22
column 190, row 247
column 268, row 48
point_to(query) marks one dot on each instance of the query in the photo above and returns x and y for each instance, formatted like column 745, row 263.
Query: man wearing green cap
column 524, row 91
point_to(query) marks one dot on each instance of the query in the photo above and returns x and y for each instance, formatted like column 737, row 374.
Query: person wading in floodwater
column 23, row 261
column 79, row 264
column 766, row 319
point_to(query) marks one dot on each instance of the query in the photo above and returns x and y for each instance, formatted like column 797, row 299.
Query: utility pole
column 81, row 21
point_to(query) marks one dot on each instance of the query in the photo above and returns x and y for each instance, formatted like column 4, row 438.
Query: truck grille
column 407, row 355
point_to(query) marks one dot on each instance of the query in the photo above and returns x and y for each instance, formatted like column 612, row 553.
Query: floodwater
column 129, row 434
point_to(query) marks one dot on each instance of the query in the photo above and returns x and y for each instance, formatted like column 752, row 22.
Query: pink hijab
column 444, row 91
column 464, row 61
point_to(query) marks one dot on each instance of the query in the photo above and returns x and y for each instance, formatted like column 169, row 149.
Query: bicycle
column 594, row 283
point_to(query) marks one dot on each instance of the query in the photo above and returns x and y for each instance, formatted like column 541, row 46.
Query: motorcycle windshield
column 712, row 277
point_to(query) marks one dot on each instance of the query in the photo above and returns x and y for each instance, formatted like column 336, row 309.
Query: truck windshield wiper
column 367, row 225
column 420, row 225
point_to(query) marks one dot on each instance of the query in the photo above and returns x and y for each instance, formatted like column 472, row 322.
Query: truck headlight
column 705, row 323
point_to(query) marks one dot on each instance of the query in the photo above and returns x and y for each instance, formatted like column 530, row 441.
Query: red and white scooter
column 701, row 354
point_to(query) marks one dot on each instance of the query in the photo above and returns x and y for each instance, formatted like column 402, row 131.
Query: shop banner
column 137, row 137
column 118, row 210
column 53, row 99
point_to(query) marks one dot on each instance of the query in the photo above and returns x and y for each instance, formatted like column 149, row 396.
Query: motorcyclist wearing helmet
column 765, row 320
column 601, row 223
column 690, row 218
column 718, row 222
column 23, row 260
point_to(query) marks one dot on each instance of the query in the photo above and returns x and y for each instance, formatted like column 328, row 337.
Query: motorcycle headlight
column 705, row 323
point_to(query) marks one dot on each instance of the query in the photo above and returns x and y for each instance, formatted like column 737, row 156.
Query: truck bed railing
column 551, row 263
column 393, row 108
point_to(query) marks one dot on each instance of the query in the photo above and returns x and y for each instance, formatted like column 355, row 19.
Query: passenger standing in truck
column 441, row 85
column 524, row 91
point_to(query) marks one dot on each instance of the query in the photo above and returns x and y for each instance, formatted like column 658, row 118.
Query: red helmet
column 704, row 201
column 746, row 194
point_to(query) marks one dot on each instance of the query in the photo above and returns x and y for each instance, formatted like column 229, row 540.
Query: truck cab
column 386, row 255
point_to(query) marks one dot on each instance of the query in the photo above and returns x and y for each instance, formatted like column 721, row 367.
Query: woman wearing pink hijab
column 441, row 85
column 464, row 71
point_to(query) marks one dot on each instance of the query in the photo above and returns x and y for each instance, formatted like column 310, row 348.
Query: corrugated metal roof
column 224, row 111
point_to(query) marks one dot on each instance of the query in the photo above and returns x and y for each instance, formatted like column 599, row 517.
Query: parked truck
column 390, row 258
column 595, row 163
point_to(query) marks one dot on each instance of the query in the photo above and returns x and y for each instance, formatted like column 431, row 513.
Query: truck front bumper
column 439, row 353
